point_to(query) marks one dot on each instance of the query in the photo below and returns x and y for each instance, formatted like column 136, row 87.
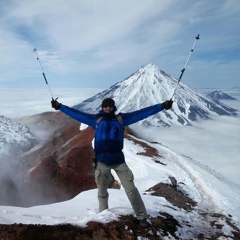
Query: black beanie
column 108, row 102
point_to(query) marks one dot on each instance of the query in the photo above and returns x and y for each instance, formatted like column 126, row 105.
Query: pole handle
column 45, row 78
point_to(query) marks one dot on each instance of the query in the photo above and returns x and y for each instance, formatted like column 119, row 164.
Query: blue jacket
column 108, row 143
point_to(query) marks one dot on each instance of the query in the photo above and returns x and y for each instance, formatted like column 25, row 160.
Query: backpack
column 120, row 120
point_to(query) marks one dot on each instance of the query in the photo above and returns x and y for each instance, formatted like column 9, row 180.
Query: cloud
column 214, row 143
column 84, row 40
column 25, row 102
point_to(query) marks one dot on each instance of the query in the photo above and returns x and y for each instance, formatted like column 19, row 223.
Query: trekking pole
column 44, row 76
column 184, row 68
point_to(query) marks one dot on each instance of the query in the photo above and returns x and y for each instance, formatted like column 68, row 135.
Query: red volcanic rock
column 45, row 184
column 63, row 164
column 79, row 160
column 58, row 135
column 52, row 182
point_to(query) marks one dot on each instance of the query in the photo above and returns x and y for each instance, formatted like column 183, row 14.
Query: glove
column 167, row 105
column 55, row 104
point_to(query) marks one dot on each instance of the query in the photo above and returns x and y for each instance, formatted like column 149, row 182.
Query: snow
column 200, row 182
column 14, row 136
column 148, row 86
column 204, row 157
column 213, row 142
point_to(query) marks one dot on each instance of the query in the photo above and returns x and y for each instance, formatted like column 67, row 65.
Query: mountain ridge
column 150, row 85
column 15, row 136
column 220, row 95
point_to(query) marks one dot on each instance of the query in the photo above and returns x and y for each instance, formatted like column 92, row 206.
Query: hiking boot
column 143, row 223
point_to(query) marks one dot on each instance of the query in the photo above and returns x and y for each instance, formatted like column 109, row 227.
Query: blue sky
column 94, row 44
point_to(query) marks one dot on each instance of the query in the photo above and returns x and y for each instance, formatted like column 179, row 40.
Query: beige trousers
column 102, row 176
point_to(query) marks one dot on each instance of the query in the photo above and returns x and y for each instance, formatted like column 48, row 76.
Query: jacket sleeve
column 89, row 119
column 132, row 117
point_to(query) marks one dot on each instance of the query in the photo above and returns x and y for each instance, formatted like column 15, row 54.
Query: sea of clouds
column 215, row 142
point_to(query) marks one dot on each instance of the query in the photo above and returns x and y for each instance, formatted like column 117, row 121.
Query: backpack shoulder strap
column 118, row 117
column 98, row 120
column 120, row 120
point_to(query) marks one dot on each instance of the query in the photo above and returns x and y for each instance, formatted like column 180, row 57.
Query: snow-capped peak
column 148, row 86
column 219, row 95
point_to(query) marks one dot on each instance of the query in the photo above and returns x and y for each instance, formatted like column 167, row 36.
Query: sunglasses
column 110, row 106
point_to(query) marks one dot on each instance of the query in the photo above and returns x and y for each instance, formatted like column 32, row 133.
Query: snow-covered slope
column 214, row 195
column 14, row 137
column 149, row 86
